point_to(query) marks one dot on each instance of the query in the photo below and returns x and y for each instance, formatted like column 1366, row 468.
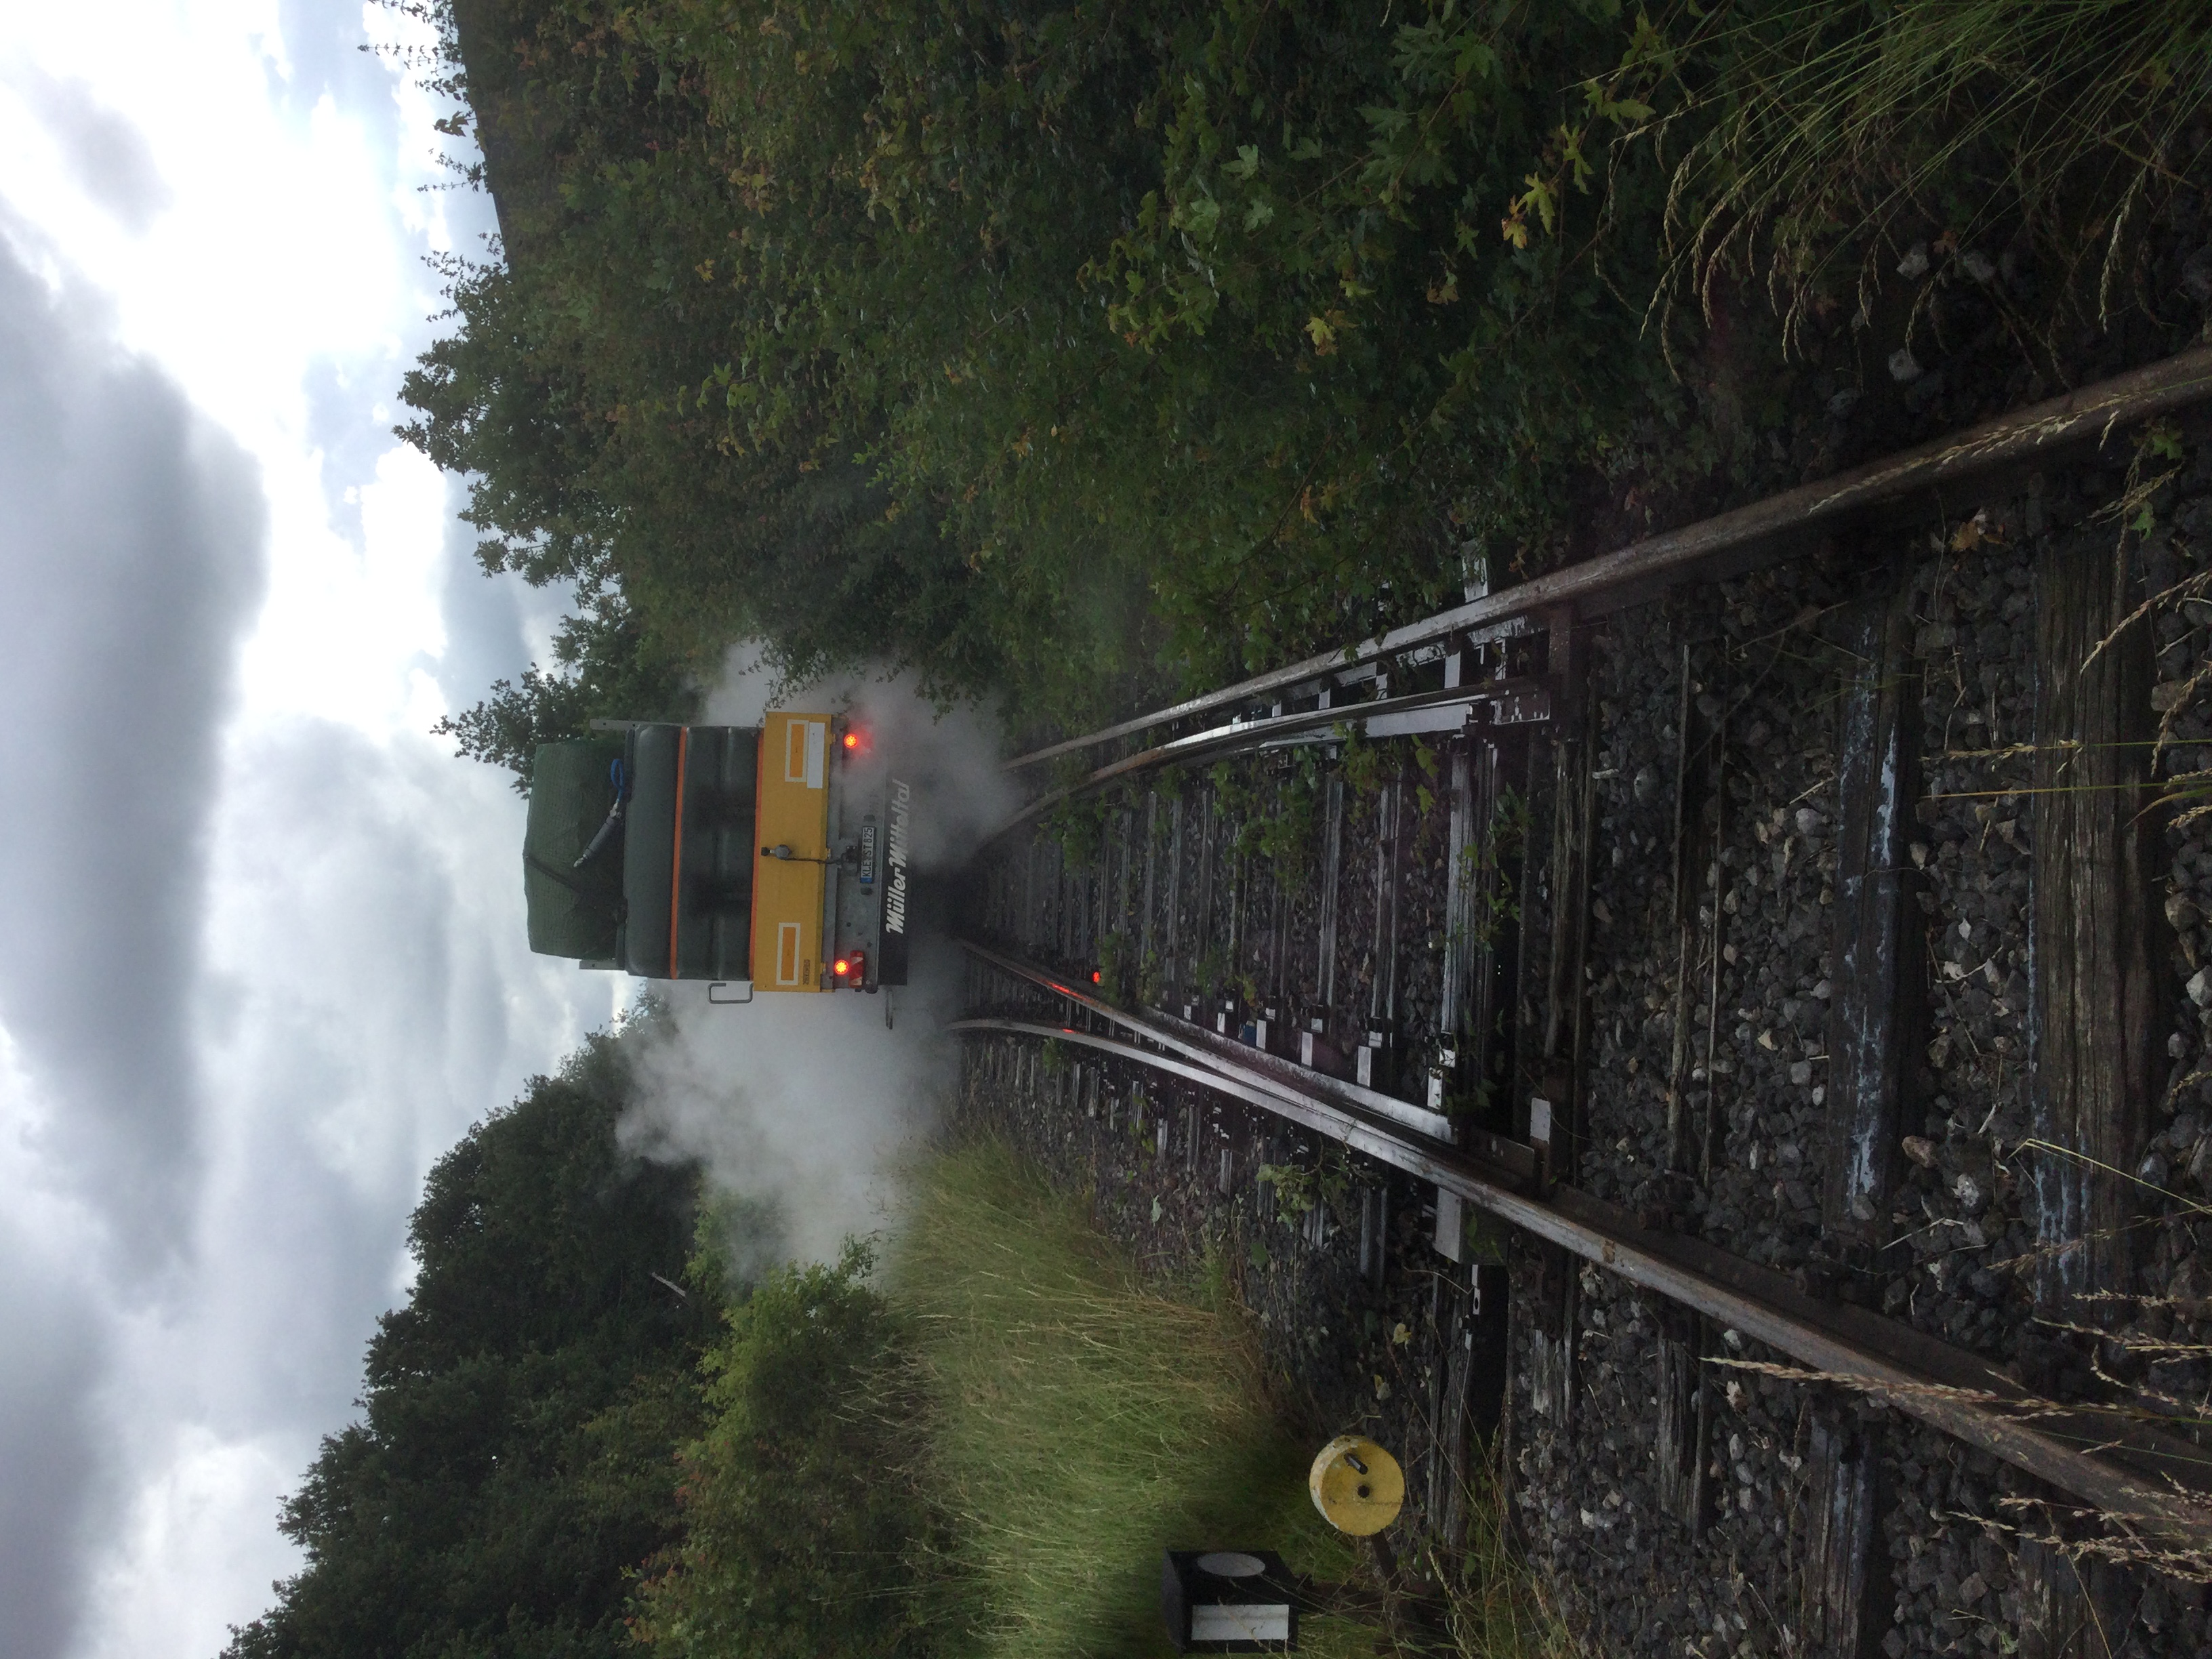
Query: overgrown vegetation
column 1299, row 1188
column 602, row 663
column 984, row 1452
column 1077, row 351
column 805, row 1528
column 1487, row 864
column 581, row 1433
column 514, row 1457
column 1082, row 1421
column 2029, row 130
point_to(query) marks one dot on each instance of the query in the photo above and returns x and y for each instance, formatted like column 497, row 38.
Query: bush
column 1059, row 349
column 1083, row 1421
column 804, row 1532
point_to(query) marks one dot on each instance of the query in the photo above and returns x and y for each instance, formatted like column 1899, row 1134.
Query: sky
column 265, row 955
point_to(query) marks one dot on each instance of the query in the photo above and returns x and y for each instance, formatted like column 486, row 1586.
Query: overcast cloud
column 108, row 158
column 266, row 957
column 133, row 540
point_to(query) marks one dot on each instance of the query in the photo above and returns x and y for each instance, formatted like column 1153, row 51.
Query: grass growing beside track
column 1082, row 1420
column 980, row 1447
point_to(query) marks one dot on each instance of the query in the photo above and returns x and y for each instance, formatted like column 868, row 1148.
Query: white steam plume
column 954, row 760
column 808, row 1103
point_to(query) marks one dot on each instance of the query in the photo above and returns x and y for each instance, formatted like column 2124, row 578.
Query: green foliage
column 1286, row 836
column 1132, row 1123
column 1117, row 972
column 1081, row 1419
column 1152, row 980
column 1210, row 974
column 1298, row 1189
column 1488, row 866
column 1274, row 811
column 983, row 1456
column 804, row 1528
column 1032, row 345
column 514, row 1457
column 1361, row 762
column 603, row 669
column 1079, row 825
column 1424, row 386
column 1812, row 142
column 1484, row 1237
column 1078, row 352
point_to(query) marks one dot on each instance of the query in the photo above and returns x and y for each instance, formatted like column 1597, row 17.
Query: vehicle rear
column 751, row 857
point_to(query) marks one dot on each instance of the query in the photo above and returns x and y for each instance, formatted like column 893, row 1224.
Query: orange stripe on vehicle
column 676, row 870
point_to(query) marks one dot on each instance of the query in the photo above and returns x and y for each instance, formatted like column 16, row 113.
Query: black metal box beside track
column 1229, row 1601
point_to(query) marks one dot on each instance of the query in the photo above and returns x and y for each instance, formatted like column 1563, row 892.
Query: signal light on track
column 1097, row 977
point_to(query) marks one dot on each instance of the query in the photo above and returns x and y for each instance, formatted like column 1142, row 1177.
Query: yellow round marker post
column 1356, row 1485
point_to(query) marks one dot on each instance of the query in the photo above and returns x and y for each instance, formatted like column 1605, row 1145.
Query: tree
column 1057, row 348
column 514, row 1460
column 1039, row 345
column 603, row 668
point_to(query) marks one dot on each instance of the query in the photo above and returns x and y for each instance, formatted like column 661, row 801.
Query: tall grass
column 1824, row 125
column 1496, row 1610
column 1082, row 1422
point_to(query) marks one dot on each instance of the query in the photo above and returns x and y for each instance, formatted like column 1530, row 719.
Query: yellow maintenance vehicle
column 767, row 858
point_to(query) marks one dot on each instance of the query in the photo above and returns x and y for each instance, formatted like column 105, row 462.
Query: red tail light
column 841, row 967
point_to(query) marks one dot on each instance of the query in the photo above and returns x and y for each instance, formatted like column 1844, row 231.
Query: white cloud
column 353, row 623
column 204, row 1518
column 242, row 190
column 280, row 243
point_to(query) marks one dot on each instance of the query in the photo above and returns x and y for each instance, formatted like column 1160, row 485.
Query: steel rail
column 1273, row 1074
column 1339, row 1124
column 1239, row 735
column 1337, row 1111
column 2094, row 410
column 2122, row 1466
column 1201, row 1075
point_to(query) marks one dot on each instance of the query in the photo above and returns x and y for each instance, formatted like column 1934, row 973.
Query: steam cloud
column 808, row 1104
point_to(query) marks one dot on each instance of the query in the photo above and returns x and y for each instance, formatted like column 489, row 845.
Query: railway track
column 1721, row 1026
